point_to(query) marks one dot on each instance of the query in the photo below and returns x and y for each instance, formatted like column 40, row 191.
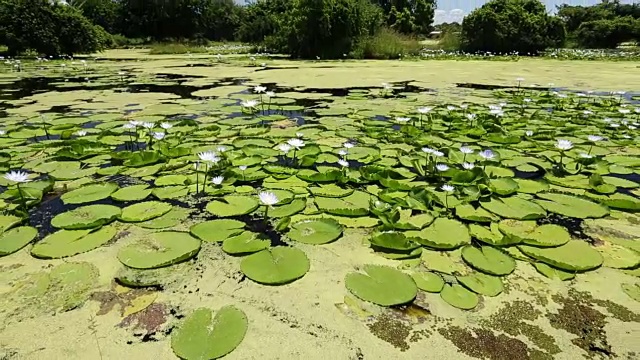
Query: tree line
column 306, row 28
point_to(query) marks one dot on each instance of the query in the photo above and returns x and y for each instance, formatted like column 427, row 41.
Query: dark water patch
column 260, row 226
column 573, row 225
column 529, row 175
column 91, row 124
column 514, row 87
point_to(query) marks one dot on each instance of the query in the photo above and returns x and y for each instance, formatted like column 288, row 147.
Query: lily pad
column 245, row 243
column 489, row 260
column 618, row 257
column 86, row 217
column 174, row 217
column 575, row 255
column 553, row 273
column 514, row 207
column 233, row 205
column 15, row 239
column 203, row 336
column 144, row 211
column 159, row 249
column 633, row 290
column 428, row 281
column 315, row 232
column 89, row 193
column 132, row 193
column 9, row 221
column 382, row 285
column 528, row 232
column 65, row 243
column 276, row 266
column 217, row 230
column 458, row 296
column 292, row 208
column 571, row 206
column 443, row 234
column 482, row 284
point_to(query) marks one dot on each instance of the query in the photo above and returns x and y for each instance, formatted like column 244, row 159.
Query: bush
column 503, row 26
column 260, row 20
column 48, row 28
column 607, row 34
column 386, row 44
column 325, row 28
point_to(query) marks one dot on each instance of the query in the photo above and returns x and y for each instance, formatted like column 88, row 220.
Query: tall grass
column 386, row 44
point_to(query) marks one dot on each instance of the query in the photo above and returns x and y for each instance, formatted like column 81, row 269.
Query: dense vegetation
column 310, row 29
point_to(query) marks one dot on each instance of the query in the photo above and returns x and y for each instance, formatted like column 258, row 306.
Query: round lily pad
column 571, row 206
column 217, row 230
column 428, row 281
column 86, row 217
column 174, row 217
column 315, row 232
column 458, row 296
column 444, row 234
column 382, row 285
column 246, row 243
column 144, row 211
column 233, row 205
column 159, row 249
column 528, row 232
column 618, row 257
column 576, row 255
column 64, row 243
column 9, row 221
column 132, row 193
column 489, row 260
column 289, row 209
column 633, row 290
column 89, row 193
column 275, row 266
column 15, row 239
column 553, row 273
column 482, row 284
column 203, row 336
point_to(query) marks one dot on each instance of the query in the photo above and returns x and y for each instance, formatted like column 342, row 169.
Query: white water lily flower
column 425, row 110
column 631, row 127
column 637, row 110
column 442, row 167
column 496, row 112
column 564, row 144
column 349, row 145
column 526, row 100
column 495, row 107
column 158, row 135
column 166, row 125
column 217, row 180
column 502, row 104
column 487, row 154
column 343, row 152
column 209, row 156
column 448, row 188
column 594, row 138
column 268, row 198
column 128, row 126
column 614, row 125
column 585, row 156
column 437, row 153
column 135, row 123
column 466, row 150
column 242, row 167
column 259, row 89
column 386, row 86
column 270, row 94
column 520, row 79
column 528, row 133
column 607, row 120
column 625, row 136
column 428, row 150
column 471, row 116
column 343, row 163
column 285, row 148
column 17, row 176
column 464, row 106
column 299, row 134
column 81, row 133
column 468, row 165
column 588, row 112
column 581, row 94
column 624, row 111
column 249, row 103
column 451, row 108
column 403, row 119
column 2, row 132
column 296, row 143
column 148, row 125
column 221, row 148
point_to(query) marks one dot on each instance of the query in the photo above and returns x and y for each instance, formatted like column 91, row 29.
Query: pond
column 180, row 207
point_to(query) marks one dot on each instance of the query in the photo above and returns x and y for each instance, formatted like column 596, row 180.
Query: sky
column 455, row 10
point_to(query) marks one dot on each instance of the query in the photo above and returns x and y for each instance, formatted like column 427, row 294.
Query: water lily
column 250, row 104
column 221, row 148
column 3, row 132
column 343, row 163
column 285, row 148
column 243, row 167
column 564, row 145
column 487, row 154
column 158, row 135
column 259, row 89
column 343, row 152
column 468, row 165
column 217, row 180
column 425, row 110
column 624, row 111
column 81, row 133
column 528, row 133
column 402, row 119
column 437, row 153
column 471, row 117
column 585, row 155
column 448, row 188
column 427, row 150
column 442, row 167
column 270, row 94
column 299, row 135
column 594, row 138
column 349, row 145
column 451, row 107
column 148, row 125
column 296, row 143
column 17, row 176
column 209, row 156
column 466, row 150
column 268, row 198
column 166, row 125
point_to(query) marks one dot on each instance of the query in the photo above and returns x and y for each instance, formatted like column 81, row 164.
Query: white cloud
column 443, row 16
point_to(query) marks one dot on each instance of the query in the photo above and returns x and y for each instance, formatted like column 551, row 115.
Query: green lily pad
column 232, row 205
column 394, row 241
column 514, row 207
column 330, row 190
column 575, row 255
column 458, row 296
column 382, row 285
column 86, row 217
column 292, row 208
column 144, row 211
column 9, row 221
column 170, row 192
column 482, row 284
column 529, row 233
column 571, row 206
column 203, row 336
column 491, row 235
column 443, row 234
column 553, row 273
column 468, row 212
column 315, row 232
column 489, row 260
column 633, row 290
column 245, row 243
column 65, row 243
column 356, row 204
column 618, row 257
column 15, row 239
column 89, row 193
column 159, row 249
column 132, row 193
column 428, row 281
column 276, row 266
column 217, row 230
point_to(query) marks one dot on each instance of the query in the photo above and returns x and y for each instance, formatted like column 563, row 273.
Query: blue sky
column 454, row 10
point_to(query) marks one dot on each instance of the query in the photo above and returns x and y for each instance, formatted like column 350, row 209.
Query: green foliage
column 503, row 26
column 260, row 20
column 386, row 44
column 325, row 28
column 408, row 16
column 48, row 28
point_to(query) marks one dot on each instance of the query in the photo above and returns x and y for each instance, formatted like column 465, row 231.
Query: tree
column 409, row 16
column 607, row 33
column 503, row 26
column 261, row 19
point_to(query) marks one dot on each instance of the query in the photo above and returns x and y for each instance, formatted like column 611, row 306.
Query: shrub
column 607, row 33
column 503, row 26
column 386, row 44
column 260, row 20
column 76, row 34
column 325, row 28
